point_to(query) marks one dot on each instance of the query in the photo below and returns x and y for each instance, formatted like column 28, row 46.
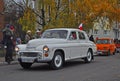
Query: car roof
column 104, row 38
column 68, row 29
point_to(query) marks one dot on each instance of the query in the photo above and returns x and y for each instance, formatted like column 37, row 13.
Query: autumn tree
column 28, row 20
column 25, row 16
column 70, row 13
column 90, row 10
column 57, row 13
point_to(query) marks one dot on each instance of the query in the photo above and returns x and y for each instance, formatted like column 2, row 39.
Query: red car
column 105, row 46
column 117, row 44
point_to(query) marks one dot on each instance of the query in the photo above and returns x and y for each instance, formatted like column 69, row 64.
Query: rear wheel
column 57, row 61
column 114, row 52
column 89, row 57
column 25, row 65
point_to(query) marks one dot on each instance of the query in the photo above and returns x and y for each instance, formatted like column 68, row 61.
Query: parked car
column 105, row 46
column 117, row 44
column 55, row 47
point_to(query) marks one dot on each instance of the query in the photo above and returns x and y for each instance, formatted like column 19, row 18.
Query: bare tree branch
column 37, row 14
column 19, row 5
column 38, row 23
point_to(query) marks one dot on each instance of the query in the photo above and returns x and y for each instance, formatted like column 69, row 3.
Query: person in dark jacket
column 91, row 38
column 8, row 43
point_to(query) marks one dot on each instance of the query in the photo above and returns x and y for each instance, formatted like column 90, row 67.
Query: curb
column 12, row 63
column 2, row 62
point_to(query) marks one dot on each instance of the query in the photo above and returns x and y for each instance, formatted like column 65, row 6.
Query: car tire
column 57, row 61
column 108, row 54
column 25, row 65
column 89, row 57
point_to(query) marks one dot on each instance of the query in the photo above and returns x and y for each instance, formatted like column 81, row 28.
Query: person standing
column 37, row 34
column 28, row 36
column 18, row 40
column 91, row 38
column 8, row 42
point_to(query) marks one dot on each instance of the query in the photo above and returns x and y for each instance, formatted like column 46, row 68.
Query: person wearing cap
column 28, row 36
column 37, row 34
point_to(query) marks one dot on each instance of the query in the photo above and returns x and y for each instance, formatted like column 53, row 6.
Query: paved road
column 103, row 68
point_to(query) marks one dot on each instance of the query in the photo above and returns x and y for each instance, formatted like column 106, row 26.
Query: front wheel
column 57, row 61
column 89, row 57
column 108, row 54
column 25, row 65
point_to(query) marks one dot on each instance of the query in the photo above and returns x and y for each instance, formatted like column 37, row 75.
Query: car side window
column 73, row 36
column 81, row 35
column 112, row 42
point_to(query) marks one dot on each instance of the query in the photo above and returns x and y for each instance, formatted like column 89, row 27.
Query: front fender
column 22, row 47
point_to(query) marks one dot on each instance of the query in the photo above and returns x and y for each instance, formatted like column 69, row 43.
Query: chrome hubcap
column 58, row 61
column 89, row 57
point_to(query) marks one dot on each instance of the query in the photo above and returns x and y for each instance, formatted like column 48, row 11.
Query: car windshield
column 61, row 34
column 103, row 41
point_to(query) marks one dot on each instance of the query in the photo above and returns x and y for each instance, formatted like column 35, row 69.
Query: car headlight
column 45, row 49
column 16, row 49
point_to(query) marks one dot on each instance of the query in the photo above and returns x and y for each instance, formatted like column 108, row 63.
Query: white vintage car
column 55, row 47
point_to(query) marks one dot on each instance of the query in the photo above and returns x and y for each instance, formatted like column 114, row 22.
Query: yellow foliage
column 70, row 13
column 28, row 20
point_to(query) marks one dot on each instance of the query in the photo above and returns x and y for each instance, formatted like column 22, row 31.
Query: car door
column 83, row 44
column 74, row 45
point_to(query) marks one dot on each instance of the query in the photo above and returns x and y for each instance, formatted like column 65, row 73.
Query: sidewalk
column 2, row 61
column 2, row 57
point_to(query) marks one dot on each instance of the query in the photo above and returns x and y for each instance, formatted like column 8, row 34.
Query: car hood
column 38, row 42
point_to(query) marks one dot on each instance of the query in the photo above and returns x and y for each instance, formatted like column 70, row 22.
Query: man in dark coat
column 8, row 42
column 91, row 38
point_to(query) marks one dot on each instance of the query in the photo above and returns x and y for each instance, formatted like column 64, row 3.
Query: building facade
column 102, row 28
column 1, row 18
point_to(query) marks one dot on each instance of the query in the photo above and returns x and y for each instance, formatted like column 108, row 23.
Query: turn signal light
column 46, row 54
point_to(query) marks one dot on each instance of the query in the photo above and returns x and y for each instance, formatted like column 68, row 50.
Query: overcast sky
column 18, row 0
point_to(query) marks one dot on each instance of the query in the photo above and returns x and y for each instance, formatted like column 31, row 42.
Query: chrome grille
column 29, row 54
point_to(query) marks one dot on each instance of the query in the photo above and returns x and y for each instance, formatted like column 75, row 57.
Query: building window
column 106, row 32
column 95, row 31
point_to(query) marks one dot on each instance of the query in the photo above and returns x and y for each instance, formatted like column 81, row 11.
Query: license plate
column 27, row 60
column 99, row 52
